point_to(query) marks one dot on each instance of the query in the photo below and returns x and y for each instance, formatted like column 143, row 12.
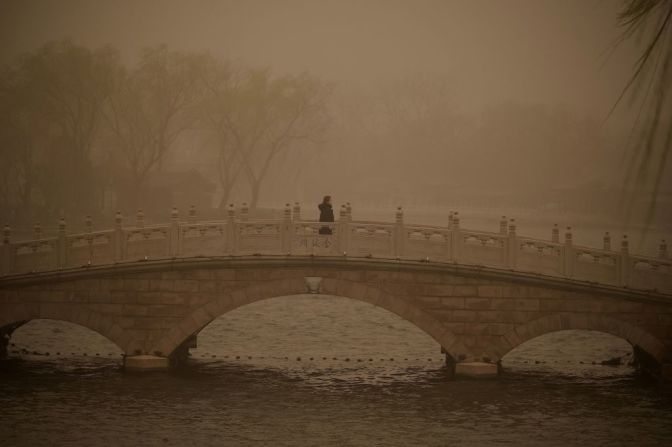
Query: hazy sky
column 548, row 51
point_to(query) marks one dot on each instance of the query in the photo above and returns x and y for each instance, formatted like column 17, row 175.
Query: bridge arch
column 89, row 319
column 636, row 336
column 227, row 302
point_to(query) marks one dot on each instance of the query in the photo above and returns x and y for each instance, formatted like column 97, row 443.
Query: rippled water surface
column 321, row 370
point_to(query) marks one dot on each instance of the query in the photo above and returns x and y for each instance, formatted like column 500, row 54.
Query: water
column 374, row 379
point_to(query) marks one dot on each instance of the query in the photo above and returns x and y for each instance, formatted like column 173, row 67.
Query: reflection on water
column 318, row 370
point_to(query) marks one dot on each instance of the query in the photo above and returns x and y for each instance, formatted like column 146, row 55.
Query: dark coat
column 326, row 212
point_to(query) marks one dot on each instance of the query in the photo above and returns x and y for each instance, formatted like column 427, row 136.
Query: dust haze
column 491, row 106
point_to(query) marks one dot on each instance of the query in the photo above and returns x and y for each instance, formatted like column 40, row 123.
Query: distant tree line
column 80, row 129
column 77, row 124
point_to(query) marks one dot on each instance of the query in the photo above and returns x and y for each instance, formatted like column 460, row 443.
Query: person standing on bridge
column 326, row 214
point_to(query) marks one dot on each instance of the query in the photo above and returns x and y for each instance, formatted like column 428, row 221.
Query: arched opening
column 59, row 342
column 318, row 337
column 573, row 352
column 646, row 352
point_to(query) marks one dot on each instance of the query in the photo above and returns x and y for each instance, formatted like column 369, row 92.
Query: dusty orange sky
column 546, row 51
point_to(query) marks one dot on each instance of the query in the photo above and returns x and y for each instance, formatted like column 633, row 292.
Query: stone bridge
column 151, row 289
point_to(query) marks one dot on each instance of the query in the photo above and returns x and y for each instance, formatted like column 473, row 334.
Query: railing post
column 568, row 254
column 624, row 267
column 88, row 224
column 348, row 211
column 399, row 233
column 192, row 214
column 296, row 212
column 231, row 230
column 37, row 230
column 555, row 234
column 502, row 226
column 118, row 238
column 174, row 232
column 455, row 234
column 512, row 245
column 62, row 246
column 140, row 219
column 244, row 212
column 6, row 251
column 606, row 241
column 342, row 232
column 662, row 249
column 286, row 229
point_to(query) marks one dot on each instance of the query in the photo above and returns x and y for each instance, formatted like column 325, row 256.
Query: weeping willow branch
column 650, row 20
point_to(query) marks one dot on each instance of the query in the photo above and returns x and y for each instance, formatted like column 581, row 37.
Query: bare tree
column 219, row 111
column 52, row 100
column 258, row 118
column 150, row 108
column 74, row 83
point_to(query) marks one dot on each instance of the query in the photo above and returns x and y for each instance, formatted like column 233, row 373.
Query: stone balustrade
column 241, row 235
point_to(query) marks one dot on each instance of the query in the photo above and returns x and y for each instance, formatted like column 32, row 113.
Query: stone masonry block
column 527, row 304
column 136, row 284
column 466, row 291
column 439, row 290
column 224, row 274
column 186, row 285
column 500, row 328
column 453, row 303
column 476, row 328
column 427, row 278
column 426, row 302
column 503, row 304
column 491, row 291
column 207, row 285
column 457, row 316
column 477, row 303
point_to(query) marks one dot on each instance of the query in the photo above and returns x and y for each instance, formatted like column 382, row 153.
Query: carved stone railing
column 292, row 235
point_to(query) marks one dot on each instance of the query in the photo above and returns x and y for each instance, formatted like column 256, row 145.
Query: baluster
column 399, row 233
column 502, row 225
column 568, row 254
column 342, row 229
column 286, row 230
column 606, row 245
column 245, row 212
column 231, row 230
column 455, row 237
column 624, row 270
column 88, row 223
column 37, row 229
column 192, row 213
column 140, row 219
column 625, row 245
column 662, row 249
column 61, row 244
column 512, row 247
column 555, row 234
column 568, row 236
column 512, row 227
column 119, row 243
column 5, row 250
column 348, row 211
column 296, row 212
column 450, row 220
column 174, row 239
